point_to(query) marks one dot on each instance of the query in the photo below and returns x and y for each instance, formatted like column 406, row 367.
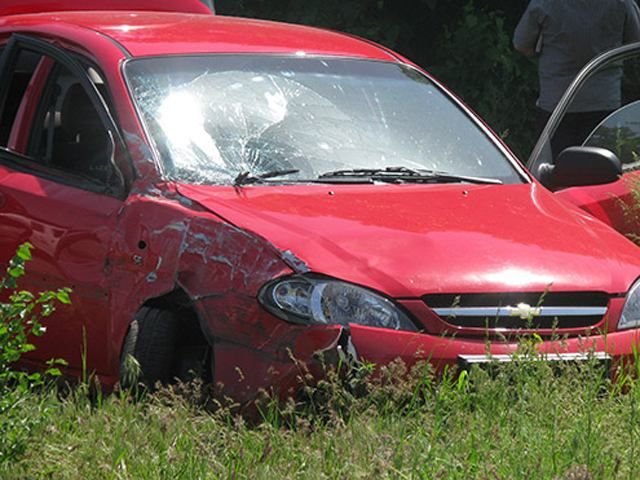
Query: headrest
column 77, row 113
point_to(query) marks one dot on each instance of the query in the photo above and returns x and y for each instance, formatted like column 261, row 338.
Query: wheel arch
column 192, row 344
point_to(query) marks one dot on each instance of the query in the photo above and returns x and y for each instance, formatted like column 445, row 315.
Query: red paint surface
column 15, row 7
column 381, row 347
column 409, row 240
column 71, row 231
column 175, row 33
column 607, row 203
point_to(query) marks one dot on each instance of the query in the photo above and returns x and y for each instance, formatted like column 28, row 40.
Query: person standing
column 565, row 35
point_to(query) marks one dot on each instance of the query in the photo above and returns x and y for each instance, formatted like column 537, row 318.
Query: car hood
column 409, row 240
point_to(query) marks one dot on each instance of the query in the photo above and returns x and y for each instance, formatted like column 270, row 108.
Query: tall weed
column 20, row 319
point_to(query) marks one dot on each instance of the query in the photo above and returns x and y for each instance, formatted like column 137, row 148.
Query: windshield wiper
column 366, row 172
column 246, row 178
column 403, row 175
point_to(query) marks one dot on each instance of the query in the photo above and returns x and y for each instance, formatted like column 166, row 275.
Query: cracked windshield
column 217, row 119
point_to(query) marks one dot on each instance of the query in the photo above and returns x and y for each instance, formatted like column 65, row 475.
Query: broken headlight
column 630, row 317
column 312, row 300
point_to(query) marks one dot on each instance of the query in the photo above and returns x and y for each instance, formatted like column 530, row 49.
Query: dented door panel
column 70, row 230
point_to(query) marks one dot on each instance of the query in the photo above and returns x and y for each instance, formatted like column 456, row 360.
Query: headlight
column 320, row 301
column 630, row 317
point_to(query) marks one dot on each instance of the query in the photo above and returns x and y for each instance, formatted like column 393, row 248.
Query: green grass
column 527, row 421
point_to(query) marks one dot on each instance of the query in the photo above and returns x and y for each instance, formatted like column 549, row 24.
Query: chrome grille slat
column 511, row 311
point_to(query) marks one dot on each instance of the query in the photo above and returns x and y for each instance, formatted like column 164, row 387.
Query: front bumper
column 243, row 372
column 254, row 351
column 382, row 346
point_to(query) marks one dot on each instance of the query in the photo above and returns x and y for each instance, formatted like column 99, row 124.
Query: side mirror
column 581, row 166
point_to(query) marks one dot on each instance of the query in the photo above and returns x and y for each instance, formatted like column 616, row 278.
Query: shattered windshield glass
column 215, row 117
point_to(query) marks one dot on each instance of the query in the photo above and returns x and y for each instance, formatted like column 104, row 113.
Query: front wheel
column 151, row 341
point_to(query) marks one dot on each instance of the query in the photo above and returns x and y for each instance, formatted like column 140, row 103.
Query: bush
column 20, row 318
column 476, row 59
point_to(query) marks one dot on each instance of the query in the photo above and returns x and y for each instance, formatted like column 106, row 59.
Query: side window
column 620, row 133
column 604, row 112
column 67, row 132
column 19, row 78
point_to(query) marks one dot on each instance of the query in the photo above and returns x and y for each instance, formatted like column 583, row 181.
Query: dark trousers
column 574, row 128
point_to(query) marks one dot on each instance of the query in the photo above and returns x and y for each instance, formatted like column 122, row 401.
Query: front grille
column 520, row 311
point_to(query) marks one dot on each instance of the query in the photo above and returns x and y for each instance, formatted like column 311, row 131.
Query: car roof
column 15, row 7
column 161, row 33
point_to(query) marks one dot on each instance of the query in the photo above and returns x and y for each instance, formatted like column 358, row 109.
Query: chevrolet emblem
column 525, row 311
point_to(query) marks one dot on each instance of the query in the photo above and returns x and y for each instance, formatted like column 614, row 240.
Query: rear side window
column 19, row 79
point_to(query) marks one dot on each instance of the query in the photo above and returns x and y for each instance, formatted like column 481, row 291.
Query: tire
column 151, row 340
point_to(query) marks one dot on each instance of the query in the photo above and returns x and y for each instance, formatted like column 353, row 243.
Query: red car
column 238, row 197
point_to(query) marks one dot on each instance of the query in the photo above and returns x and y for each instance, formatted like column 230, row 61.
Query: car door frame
column 617, row 54
column 21, row 164
column 612, row 203
column 18, row 41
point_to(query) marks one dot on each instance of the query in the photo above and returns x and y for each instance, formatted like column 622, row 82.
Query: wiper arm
column 368, row 172
column 246, row 178
column 405, row 175
column 450, row 177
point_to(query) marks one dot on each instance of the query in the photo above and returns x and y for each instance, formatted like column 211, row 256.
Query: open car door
column 614, row 200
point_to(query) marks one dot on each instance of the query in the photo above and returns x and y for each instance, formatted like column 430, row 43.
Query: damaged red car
column 237, row 197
